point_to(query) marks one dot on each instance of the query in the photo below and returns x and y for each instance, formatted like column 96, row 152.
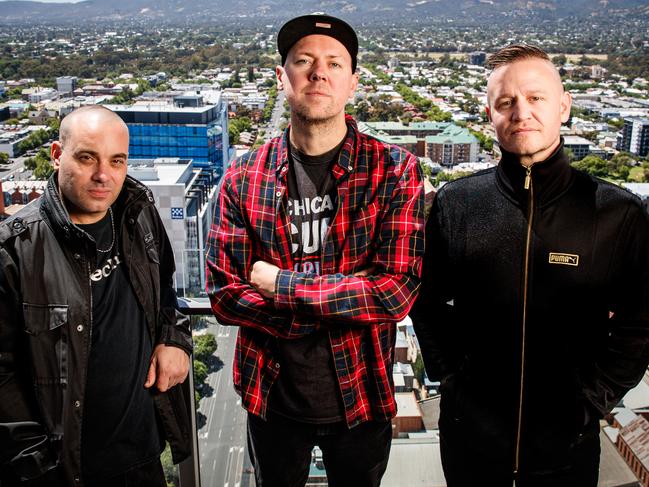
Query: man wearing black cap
column 315, row 252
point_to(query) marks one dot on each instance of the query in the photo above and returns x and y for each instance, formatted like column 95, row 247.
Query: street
column 272, row 128
column 222, row 439
column 15, row 171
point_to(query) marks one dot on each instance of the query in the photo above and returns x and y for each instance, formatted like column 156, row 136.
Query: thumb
column 150, row 376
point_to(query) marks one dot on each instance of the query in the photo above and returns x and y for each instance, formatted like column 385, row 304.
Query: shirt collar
column 346, row 159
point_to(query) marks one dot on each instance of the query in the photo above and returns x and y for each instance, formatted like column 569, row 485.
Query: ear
column 488, row 110
column 354, row 85
column 279, row 73
column 566, row 104
column 55, row 154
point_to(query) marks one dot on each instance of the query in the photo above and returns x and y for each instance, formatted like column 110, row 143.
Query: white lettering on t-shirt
column 105, row 270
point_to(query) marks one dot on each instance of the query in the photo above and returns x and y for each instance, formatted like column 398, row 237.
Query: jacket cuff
column 285, row 290
column 171, row 336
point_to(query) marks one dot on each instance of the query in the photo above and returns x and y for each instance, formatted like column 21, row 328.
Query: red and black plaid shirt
column 379, row 223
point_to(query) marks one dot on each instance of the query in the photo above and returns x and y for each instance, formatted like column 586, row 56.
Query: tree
column 204, row 347
column 362, row 111
column 30, row 163
column 170, row 470
column 450, row 176
column 436, row 114
column 422, row 104
column 4, row 158
column 200, row 373
column 419, row 370
column 560, row 60
column 54, row 124
column 40, row 165
column 233, row 132
column 593, row 165
column 486, row 142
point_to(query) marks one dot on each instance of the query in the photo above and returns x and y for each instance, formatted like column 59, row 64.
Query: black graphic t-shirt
column 307, row 388
column 119, row 427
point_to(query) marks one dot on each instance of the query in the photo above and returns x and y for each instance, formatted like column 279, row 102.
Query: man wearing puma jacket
column 534, row 307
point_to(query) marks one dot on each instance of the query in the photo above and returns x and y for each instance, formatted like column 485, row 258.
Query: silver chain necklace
column 112, row 227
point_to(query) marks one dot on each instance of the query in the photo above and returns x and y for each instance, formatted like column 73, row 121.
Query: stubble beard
column 305, row 118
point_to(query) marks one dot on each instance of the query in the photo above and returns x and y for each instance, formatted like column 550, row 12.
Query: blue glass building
column 159, row 130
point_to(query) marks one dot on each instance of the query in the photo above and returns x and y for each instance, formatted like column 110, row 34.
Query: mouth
column 99, row 193
column 523, row 131
column 317, row 93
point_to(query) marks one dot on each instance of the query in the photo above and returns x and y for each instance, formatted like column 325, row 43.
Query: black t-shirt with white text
column 119, row 427
column 307, row 388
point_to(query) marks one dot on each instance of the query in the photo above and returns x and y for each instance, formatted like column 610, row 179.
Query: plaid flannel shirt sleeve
column 385, row 296
column 229, row 257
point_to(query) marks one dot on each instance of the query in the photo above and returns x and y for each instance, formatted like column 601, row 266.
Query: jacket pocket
column 48, row 340
column 46, row 325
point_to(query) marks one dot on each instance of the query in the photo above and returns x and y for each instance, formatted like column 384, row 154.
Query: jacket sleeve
column 16, row 398
column 174, row 326
column 623, row 359
column 229, row 257
column 433, row 314
column 23, row 441
column 387, row 294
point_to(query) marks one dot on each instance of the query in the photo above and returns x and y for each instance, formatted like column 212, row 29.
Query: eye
column 335, row 65
column 118, row 162
column 505, row 104
column 301, row 61
column 536, row 98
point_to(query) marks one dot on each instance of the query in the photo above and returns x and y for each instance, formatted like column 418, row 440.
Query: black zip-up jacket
column 46, row 323
column 514, row 315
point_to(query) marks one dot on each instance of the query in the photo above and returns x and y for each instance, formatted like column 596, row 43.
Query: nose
column 522, row 110
column 101, row 172
column 318, row 72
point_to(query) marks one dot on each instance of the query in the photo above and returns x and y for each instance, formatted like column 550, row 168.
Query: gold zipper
column 530, row 215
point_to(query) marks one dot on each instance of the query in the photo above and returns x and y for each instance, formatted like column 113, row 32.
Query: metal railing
column 189, row 469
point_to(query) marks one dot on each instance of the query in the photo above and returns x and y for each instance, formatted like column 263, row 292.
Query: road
column 12, row 171
column 222, row 440
column 272, row 129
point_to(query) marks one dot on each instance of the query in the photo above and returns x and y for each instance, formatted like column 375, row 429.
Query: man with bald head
column 534, row 307
column 92, row 347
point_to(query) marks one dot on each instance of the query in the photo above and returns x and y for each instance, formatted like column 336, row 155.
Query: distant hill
column 217, row 11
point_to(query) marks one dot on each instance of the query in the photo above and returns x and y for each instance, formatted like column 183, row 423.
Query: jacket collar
column 346, row 159
column 55, row 212
column 550, row 178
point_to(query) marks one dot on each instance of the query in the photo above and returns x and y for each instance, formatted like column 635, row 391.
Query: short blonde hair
column 515, row 52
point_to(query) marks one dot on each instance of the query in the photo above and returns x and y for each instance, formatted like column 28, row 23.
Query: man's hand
column 262, row 278
column 169, row 366
column 368, row 271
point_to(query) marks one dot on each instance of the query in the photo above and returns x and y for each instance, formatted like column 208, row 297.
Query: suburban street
column 222, row 440
column 15, row 171
column 272, row 129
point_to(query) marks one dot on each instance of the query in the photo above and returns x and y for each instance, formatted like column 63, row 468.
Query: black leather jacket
column 513, row 314
column 46, row 322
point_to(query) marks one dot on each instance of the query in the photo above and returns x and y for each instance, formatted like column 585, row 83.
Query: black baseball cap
column 306, row 25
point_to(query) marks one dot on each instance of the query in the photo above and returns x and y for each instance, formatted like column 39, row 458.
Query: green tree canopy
column 204, row 347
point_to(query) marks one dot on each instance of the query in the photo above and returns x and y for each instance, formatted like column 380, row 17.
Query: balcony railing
column 189, row 469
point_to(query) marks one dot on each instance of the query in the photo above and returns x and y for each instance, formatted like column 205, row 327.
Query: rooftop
column 636, row 435
column 407, row 405
column 158, row 107
column 575, row 140
column 414, row 463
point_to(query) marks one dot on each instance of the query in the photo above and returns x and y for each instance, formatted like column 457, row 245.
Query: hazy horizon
column 44, row 1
